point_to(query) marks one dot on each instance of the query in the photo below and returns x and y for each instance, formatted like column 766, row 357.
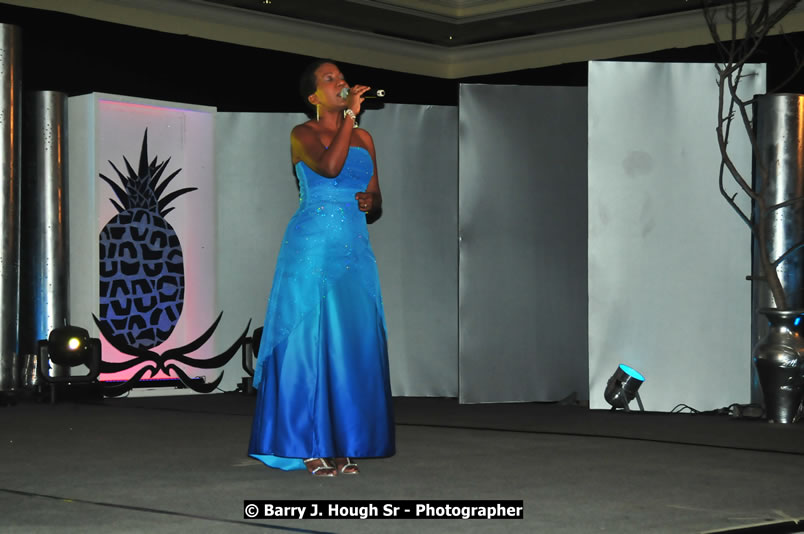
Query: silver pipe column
column 44, row 281
column 10, row 124
column 780, row 137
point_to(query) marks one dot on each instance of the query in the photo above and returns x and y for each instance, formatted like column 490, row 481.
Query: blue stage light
column 633, row 372
column 622, row 387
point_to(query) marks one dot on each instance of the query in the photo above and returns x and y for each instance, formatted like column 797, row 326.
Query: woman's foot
column 346, row 466
column 320, row 467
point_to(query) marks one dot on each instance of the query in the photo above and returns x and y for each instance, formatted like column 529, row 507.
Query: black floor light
column 250, row 351
column 622, row 388
column 69, row 347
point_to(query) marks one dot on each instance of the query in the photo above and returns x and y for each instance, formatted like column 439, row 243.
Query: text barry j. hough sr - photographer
column 383, row 510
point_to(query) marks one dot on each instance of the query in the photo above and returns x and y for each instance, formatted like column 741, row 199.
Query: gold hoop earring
column 316, row 112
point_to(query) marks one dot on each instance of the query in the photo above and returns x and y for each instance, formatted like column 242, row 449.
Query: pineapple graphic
column 141, row 262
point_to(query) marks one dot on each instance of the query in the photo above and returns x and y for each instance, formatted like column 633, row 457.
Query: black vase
column 779, row 359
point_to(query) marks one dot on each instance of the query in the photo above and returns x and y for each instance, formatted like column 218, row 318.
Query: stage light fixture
column 69, row 346
column 623, row 387
column 250, row 351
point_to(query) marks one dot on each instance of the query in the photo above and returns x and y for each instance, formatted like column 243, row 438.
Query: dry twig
column 749, row 22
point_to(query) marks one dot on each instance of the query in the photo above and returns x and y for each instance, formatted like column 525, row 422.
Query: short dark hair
column 307, row 81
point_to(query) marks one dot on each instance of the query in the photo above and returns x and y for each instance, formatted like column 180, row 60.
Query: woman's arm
column 370, row 200
column 306, row 145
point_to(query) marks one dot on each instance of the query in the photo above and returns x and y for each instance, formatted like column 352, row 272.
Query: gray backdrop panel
column 523, row 228
column 667, row 256
column 256, row 196
column 414, row 240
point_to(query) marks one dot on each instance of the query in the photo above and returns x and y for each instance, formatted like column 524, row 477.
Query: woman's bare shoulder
column 302, row 136
column 303, row 130
column 364, row 137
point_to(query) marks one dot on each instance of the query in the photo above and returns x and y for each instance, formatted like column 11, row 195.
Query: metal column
column 10, row 123
column 44, row 280
column 780, row 139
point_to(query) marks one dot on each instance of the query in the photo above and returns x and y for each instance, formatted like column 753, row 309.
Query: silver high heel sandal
column 323, row 470
column 353, row 469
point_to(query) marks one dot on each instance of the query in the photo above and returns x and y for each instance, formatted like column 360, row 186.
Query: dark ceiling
column 79, row 55
column 420, row 26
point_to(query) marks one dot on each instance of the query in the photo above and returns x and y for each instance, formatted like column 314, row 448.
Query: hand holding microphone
column 369, row 93
column 355, row 96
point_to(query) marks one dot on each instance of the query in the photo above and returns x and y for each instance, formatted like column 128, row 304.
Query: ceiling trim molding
column 457, row 12
column 199, row 19
column 680, row 30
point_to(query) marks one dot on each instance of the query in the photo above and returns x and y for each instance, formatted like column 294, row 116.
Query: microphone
column 371, row 93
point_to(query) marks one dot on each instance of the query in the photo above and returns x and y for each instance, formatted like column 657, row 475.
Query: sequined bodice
column 315, row 189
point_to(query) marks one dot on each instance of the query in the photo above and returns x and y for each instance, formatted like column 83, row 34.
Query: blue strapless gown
column 323, row 387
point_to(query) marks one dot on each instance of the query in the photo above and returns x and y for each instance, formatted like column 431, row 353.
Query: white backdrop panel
column 106, row 128
column 414, row 240
column 667, row 256
column 523, row 261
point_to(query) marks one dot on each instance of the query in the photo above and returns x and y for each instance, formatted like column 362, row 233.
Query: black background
column 77, row 55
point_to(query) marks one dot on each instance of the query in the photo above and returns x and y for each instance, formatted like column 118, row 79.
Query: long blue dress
column 323, row 387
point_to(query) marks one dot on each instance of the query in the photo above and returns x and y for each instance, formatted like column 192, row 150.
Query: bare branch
column 750, row 21
column 723, row 142
column 791, row 250
column 749, row 130
column 730, row 199
column 784, row 204
column 722, row 139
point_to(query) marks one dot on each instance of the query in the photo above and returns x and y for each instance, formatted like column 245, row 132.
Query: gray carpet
column 179, row 464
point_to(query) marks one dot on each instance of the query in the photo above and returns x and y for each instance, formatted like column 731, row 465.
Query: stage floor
column 179, row 464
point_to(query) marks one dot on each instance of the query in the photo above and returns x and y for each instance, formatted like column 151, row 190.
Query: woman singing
column 323, row 390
